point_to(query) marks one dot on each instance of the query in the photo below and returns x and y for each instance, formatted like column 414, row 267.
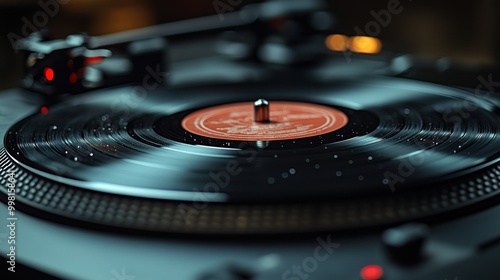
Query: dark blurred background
column 464, row 31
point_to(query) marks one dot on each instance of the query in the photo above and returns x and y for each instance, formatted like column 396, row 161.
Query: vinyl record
column 352, row 140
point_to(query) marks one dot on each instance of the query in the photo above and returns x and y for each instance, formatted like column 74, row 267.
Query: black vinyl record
column 400, row 136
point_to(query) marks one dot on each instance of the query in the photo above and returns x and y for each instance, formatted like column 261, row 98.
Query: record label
column 288, row 120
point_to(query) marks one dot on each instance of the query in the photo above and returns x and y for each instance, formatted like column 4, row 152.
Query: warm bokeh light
column 366, row 45
column 357, row 44
column 337, row 42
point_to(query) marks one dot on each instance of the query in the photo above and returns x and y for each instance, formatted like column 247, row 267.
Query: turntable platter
column 401, row 146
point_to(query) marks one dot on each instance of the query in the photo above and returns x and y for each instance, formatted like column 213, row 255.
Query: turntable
column 272, row 159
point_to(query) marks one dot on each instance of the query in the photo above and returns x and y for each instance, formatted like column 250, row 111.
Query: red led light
column 372, row 272
column 93, row 60
column 48, row 73
column 73, row 77
column 44, row 110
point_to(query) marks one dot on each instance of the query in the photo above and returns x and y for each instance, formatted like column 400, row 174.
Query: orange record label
column 288, row 120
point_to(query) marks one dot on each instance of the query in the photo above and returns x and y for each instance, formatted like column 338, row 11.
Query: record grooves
column 134, row 213
column 389, row 159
